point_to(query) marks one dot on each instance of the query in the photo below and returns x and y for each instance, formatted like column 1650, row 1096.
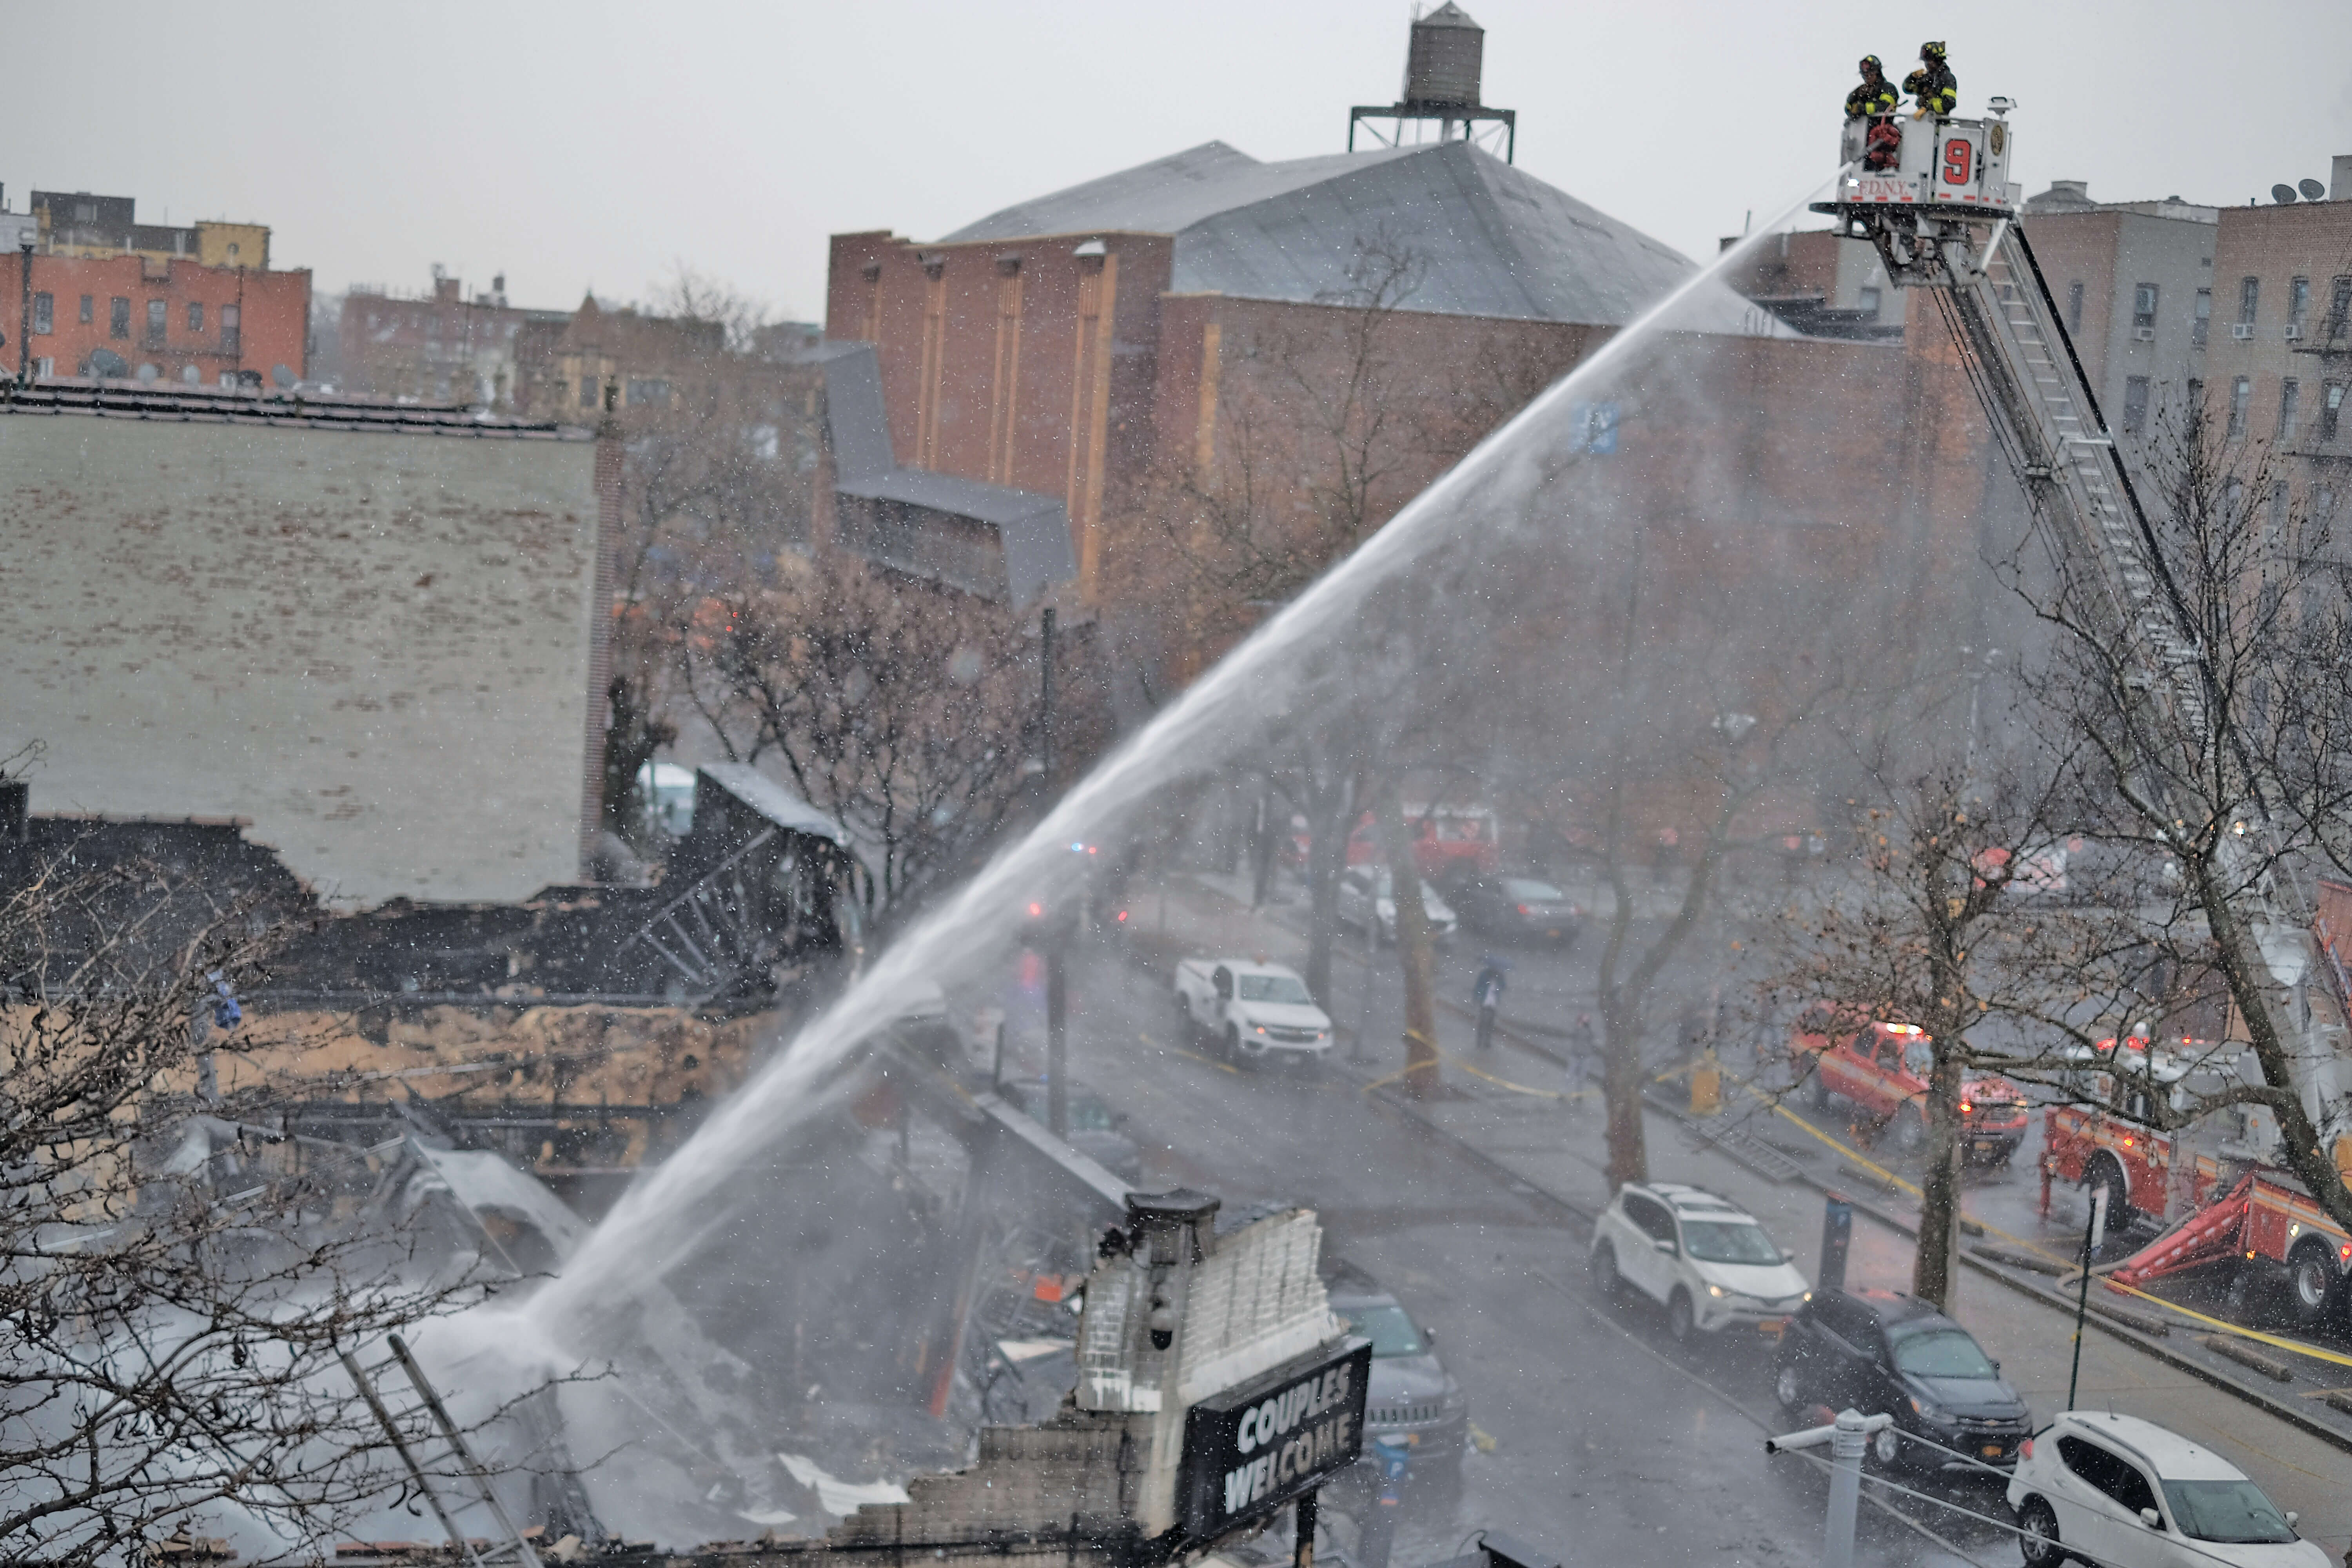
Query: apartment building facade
column 2280, row 370
column 439, row 346
column 143, row 318
column 2134, row 283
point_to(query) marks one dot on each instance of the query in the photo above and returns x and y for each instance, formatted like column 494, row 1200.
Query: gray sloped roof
column 1495, row 240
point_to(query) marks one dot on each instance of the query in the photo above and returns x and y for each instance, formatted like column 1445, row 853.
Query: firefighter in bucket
column 1933, row 86
column 1874, row 103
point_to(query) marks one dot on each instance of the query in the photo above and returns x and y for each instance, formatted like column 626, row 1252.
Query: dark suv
column 1881, row 1352
column 1413, row 1397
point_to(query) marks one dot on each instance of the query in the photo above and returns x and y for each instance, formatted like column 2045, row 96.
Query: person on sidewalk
column 1581, row 1050
column 1486, row 991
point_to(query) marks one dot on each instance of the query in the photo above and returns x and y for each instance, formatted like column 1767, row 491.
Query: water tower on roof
column 1441, row 90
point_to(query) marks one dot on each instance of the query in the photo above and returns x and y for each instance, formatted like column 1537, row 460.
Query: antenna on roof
column 1442, row 68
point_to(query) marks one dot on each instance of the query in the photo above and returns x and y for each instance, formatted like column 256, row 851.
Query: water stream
column 670, row 1207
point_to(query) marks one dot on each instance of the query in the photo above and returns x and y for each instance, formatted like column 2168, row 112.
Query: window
column 587, row 391
column 1728, row 1241
column 2278, row 506
column 118, row 317
column 2298, row 301
column 2232, row 1511
column 2143, row 306
column 2233, row 496
column 2111, row 1473
column 2250, row 299
column 2075, row 307
column 2290, row 399
column 2339, row 306
column 2135, row 404
column 2331, row 407
column 45, row 314
column 1941, row 1352
column 433, row 328
column 159, row 312
column 232, row 335
column 1391, row 1330
column 85, row 212
column 86, row 315
column 2203, row 321
column 2195, row 398
column 195, row 317
column 2322, row 505
column 1870, row 299
column 1650, row 1216
column 2241, row 392
column 648, row 392
column 1276, row 988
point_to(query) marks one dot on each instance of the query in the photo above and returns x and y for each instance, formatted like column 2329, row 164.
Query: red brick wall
column 275, row 310
column 2081, row 248
column 1060, row 406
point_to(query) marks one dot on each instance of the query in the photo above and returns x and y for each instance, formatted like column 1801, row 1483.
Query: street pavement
column 1599, row 1438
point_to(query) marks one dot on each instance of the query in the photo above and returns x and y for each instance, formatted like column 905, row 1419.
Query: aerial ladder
column 1943, row 216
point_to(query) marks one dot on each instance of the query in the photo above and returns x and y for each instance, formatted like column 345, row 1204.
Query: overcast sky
column 602, row 145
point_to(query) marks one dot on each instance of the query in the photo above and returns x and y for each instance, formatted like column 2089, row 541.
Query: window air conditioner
column 2293, row 331
column 2143, row 334
column 2242, row 331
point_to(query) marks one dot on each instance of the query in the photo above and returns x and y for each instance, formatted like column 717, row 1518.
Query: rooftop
column 209, row 406
column 1495, row 240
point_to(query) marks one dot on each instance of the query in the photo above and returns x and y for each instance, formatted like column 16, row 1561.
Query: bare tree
column 907, row 712
column 173, row 1334
column 2241, row 790
column 1927, row 928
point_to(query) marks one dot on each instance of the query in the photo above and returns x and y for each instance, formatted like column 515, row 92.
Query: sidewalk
column 1558, row 1147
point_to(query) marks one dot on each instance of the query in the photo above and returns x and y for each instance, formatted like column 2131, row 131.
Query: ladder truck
column 1943, row 216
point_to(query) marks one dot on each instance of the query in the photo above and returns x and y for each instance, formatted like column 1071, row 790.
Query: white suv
column 2124, row 1492
column 1703, row 1257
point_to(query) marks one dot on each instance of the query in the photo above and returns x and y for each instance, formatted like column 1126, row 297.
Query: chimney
column 2339, row 177
column 15, row 810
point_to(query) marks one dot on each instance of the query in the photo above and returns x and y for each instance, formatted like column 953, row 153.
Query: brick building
column 377, row 635
column 2134, row 282
column 2280, row 360
column 155, row 319
column 1823, row 284
column 1056, row 351
column 440, row 346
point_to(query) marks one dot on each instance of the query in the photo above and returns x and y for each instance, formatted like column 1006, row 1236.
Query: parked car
column 2124, row 1492
column 1880, row 1351
column 1882, row 1068
column 1516, row 906
column 1256, row 1011
column 1367, row 902
column 1413, row 1397
column 1707, row 1261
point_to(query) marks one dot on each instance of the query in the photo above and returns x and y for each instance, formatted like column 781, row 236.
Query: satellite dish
column 108, row 365
column 2313, row 191
column 283, row 378
column 2282, row 194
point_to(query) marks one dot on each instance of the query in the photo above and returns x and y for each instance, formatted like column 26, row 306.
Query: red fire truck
column 2282, row 1243
column 2087, row 1144
column 1882, row 1068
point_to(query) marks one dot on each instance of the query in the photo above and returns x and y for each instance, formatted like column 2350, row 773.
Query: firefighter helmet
column 1931, row 51
column 1870, row 63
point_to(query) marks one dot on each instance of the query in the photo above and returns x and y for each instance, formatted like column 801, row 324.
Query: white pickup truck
column 1256, row 1011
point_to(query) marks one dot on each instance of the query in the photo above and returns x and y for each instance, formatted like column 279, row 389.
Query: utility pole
column 1057, row 1025
column 25, row 310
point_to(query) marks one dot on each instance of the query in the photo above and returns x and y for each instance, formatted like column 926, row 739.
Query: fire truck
column 1942, row 217
column 1882, row 1069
